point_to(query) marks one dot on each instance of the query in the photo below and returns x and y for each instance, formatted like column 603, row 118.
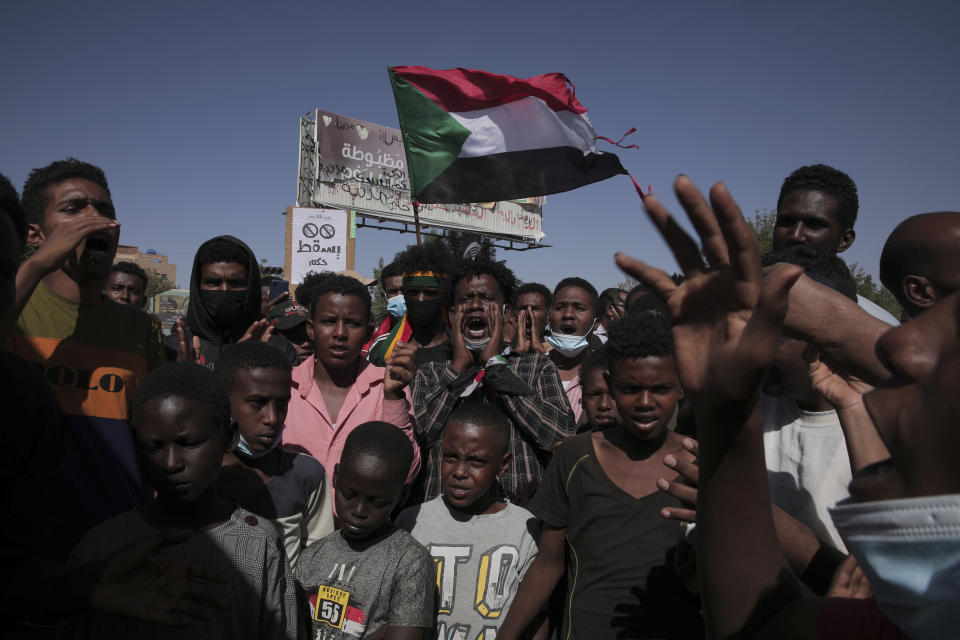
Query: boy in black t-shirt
column 369, row 578
column 600, row 507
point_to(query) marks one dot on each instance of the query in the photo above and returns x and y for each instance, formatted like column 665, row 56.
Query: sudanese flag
column 474, row 136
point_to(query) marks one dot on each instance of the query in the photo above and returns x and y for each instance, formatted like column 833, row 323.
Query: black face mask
column 224, row 307
column 425, row 313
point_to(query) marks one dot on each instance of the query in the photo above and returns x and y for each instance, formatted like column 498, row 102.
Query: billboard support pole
column 416, row 219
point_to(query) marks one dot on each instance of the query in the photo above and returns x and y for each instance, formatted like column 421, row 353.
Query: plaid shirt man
column 527, row 388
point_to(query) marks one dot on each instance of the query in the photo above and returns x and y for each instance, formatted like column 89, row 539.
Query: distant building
column 149, row 260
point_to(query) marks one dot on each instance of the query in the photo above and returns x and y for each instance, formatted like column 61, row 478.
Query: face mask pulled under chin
column 909, row 549
column 225, row 307
column 568, row 346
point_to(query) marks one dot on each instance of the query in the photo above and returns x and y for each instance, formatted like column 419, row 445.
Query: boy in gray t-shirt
column 369, row 578
column 481, row 545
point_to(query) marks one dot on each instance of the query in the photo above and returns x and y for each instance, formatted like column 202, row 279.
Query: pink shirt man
column 309, row 428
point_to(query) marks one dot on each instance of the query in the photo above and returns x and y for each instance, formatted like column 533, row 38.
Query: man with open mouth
column 526, row 386
column 93, row 351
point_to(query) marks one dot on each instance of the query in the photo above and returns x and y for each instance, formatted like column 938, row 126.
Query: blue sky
column 192, row 108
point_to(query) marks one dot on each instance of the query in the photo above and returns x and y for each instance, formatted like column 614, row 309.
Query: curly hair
column 484, row 265
column 10, row 204
column 188, row 381
column 432, row 255
column 132, row 269
column 383, row 441
column 818, row 262
column 246, row 356
column 639, row 335
column 533, row 287
column 820, row 177
column 319, row 284
column 580, row 283
column 36, row 190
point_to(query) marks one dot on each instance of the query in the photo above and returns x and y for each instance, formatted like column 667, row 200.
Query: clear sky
column 192, row 108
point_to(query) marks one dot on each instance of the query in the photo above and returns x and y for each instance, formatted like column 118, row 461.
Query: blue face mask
column 568, row 346
column 909, row 549
column 244, row 451
column 397, row 306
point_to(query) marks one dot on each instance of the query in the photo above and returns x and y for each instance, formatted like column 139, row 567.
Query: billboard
column 353, row 164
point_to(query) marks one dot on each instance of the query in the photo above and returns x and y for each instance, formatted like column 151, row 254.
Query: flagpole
column 416, row 219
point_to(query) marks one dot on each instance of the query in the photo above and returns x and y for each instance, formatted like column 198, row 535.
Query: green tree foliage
column 157, row 284
column 762, row 225
column 874, row 292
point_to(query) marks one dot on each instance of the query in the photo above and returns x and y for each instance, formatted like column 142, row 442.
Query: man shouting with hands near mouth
column 93, row 351
column 526, row 386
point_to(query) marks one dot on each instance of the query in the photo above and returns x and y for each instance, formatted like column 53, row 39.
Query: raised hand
column 260, row 331
column 494, row 316
column 462, row 358
column 65, row 238
column 187, row 350
column 400, row 368
column 726, row 318
column 523, row 324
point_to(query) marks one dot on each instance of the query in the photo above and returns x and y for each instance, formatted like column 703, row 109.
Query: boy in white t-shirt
column 481, row 545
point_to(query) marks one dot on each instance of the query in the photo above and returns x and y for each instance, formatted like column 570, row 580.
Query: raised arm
column 726, row 324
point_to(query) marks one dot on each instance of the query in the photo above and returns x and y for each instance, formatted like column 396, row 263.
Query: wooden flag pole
column 416, row 219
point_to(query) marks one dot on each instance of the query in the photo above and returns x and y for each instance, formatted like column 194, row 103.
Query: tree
column 157, row 284
column 873, row 292
column 763, row 223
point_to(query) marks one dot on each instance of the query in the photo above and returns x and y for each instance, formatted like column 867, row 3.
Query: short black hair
column 36, row 195
column 133, row 270
column 304, row 292
column 533, row 287
column 184, row 380
column 248, row 355
column 819, row 263
column 486, row 416
column 610, row 296
column 383, row 441
column 316, row 285
column 390, row 271
column 580, row 283
column 266, row 281
column 639, row 335
column 222, row 250
column 820, row 177
column 483, row 264
column 10, row 204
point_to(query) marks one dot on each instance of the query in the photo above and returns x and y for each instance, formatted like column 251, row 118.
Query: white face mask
column 909, row 549
column 569, row 346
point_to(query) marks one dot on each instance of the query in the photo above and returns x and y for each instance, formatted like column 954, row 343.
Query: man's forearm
column 845, row 334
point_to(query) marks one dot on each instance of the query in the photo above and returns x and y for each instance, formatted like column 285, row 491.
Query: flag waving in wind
column 473, row 136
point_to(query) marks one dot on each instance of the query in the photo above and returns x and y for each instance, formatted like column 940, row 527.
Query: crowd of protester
column 745, row 449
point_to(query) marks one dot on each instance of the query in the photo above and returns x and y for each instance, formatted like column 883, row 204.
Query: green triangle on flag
column 431, row 137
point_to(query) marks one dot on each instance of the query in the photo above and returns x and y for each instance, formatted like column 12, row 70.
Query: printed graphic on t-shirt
column 332, row 607
column 489, row 594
